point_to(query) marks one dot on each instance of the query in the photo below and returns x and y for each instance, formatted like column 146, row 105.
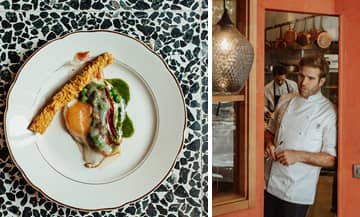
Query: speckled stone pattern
column 178, row 31
column 104, row 4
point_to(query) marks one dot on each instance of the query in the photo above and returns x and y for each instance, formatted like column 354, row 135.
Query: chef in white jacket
column 301, row 139
column 279, row 86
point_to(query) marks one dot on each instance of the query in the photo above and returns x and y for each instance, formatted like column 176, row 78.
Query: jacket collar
column 312, row 98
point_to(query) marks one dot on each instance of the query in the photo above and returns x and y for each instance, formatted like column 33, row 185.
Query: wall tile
column 103, row 4
column 179, row 36
column 204, row 100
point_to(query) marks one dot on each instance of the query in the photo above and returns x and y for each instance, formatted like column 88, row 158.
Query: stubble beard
column 305, row 92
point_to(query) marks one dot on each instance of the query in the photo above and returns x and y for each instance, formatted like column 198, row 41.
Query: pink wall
column 349, row 136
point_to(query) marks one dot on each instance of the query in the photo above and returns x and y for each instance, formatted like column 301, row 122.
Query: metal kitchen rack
column 289, row 22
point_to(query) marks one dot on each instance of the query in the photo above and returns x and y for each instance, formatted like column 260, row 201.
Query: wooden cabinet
column 234, row 133
column 230, row 166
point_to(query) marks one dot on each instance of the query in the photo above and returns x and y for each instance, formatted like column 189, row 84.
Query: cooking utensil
column 303, row 37
column 267, row 42
column 331, row 25
column 269, row 68
column 290, row 68
column 314, row 32
column 324, row 38
column 279, row 42
column 290, row 34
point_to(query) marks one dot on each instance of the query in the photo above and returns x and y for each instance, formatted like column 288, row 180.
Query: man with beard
column 301, row 139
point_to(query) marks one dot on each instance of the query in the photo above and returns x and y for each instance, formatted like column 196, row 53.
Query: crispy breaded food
column 69, row 91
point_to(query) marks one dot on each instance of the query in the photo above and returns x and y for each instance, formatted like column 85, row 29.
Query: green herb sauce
column 127, row 127
column 95, row 95
column 121, row 87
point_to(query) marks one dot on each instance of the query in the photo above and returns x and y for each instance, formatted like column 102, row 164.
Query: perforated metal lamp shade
column 233, row 56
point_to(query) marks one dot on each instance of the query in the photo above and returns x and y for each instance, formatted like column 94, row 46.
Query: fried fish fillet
column 69, row 91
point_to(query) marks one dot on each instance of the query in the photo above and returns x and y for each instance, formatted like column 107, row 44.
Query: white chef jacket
column 305, row 125
column 279, row 90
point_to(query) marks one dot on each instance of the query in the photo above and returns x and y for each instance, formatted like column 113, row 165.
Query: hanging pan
column 303, row 37
column 290, row 34
column 314, row 32
column 280, row 43
column 324, row 38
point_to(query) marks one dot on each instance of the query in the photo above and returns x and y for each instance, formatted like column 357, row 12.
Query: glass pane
column 218, row 10
column 224, row 151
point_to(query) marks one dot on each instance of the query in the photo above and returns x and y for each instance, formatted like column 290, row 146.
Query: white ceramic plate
column 52, row 162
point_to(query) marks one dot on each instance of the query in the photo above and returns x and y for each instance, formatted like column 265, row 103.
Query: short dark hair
column 316, row 62
column 279, row 70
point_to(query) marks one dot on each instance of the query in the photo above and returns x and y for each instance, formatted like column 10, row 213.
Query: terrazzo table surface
column 178, row 32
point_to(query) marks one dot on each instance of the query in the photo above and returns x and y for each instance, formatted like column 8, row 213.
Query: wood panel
column 228, row 98
column 349, row 108
column 245, row 198
column 303, row 6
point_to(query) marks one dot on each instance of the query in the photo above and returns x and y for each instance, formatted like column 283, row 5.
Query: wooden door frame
column 305, row 6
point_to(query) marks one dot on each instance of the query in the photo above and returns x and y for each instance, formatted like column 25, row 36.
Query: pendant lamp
column 232, row 55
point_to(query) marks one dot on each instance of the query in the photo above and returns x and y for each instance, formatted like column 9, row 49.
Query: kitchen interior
column 288, row 37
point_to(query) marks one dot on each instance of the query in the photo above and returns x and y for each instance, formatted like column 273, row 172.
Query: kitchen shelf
column 331, row 87
column 228, row 98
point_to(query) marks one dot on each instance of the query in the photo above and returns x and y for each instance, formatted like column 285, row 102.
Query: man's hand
column 270, row 151
column 287, row 157
column 320, row 159
column 269, row 146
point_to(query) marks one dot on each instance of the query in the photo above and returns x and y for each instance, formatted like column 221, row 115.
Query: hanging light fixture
column 233, row 56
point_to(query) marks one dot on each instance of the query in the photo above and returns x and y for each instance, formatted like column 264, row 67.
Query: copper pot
column 290, row 68
column 290, row 35
column 314, row 32
column 324, row 38
column 303, row 38
column 279, row 42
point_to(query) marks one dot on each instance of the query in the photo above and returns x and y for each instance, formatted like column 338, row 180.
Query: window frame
column 246, row 122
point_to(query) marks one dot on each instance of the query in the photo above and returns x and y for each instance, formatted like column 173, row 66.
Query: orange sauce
column 82, row 55
column 78, row 118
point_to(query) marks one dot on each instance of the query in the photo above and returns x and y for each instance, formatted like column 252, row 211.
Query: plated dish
column 52, row 162
column 93, row 107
